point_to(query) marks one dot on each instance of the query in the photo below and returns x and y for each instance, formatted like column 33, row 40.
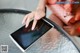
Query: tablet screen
column 25, row 36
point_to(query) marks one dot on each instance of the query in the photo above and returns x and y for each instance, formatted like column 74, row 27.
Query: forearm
column 41, row 5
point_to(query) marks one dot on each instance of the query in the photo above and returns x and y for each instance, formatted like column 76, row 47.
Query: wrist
column 41, row 9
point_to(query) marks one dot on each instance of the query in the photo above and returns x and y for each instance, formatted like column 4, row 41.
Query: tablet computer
column 24, row 37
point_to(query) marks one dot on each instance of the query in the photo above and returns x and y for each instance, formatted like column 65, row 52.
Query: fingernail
column 32, row 28
column 26, row 26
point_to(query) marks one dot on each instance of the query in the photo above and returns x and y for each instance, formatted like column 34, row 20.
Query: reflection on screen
column 25, row 36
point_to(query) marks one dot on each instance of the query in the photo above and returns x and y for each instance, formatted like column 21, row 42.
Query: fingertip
column 34, row 24
column 32, row 28
column 26, row 26
column 24, row 19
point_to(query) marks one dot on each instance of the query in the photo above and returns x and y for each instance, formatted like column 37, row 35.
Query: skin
column 40, row 12
column 74, row 29
column 37, row 14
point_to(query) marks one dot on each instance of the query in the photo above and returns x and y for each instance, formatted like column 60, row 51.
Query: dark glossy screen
column 25, row 36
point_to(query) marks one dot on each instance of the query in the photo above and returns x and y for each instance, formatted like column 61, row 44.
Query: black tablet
column 24, row 37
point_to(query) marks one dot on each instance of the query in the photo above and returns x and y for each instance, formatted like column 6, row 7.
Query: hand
column 36, row 15
column 73, row 29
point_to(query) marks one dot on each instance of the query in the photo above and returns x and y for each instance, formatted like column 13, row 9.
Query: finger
column 67, row 27
column 28, row 20
column 34, row 24
column 36, row 18
column 24, row 19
